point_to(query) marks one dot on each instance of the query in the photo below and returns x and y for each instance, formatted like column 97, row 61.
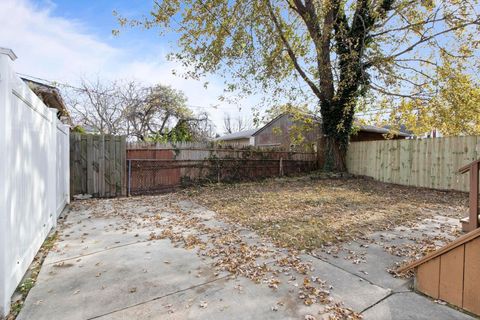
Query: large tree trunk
column 337, row 121
column 335, row 155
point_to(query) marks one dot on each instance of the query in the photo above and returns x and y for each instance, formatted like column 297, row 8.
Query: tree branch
column 290, row 51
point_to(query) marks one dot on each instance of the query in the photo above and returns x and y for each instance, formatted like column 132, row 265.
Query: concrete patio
column 109, row 264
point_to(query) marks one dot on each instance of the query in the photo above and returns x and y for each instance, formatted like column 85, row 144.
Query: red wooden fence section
column 161, row 168
column 151, row 171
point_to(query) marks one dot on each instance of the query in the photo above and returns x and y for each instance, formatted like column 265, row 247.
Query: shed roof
column 50, row 95
column 384, row 130
column 246, row 134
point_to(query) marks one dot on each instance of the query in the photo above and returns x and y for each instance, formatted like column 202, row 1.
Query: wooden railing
column 472, row 223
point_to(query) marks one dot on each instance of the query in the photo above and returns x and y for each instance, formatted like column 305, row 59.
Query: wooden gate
column 97, row 165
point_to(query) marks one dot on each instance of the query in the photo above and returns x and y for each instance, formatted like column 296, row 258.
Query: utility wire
column 66, row 85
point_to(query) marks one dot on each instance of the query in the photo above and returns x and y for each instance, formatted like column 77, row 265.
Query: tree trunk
column 337, row 120
column 335, row 155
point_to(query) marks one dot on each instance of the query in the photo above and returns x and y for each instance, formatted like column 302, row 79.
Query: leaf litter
column 294, row 214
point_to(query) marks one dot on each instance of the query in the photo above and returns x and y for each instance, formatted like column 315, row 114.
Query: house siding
column 278, row 134
column 238, row 142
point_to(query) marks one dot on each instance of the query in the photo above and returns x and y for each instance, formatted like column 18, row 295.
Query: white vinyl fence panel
column 34, row 174
column 63, row 167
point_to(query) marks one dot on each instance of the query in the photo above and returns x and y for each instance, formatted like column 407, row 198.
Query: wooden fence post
column 473, row 197
column 281, row 168
column 129, row 177
column 473, row 222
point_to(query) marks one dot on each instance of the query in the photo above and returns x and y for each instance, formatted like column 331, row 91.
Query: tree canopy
column 145, row 113
column 335, row 51
column 453, row 108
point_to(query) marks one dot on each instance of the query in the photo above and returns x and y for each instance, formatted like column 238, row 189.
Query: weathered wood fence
column 431, row 163
column 162, row 167
column 97, row 165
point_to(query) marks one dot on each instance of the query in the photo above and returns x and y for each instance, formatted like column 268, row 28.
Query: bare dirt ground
column 305, row 213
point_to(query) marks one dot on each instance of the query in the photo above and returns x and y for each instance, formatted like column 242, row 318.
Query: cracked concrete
column 372, row 262
column 106, row 267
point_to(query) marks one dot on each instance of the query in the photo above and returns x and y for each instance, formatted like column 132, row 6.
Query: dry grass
column 303, row 213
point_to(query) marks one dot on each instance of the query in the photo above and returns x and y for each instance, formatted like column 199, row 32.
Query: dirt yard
column 306, row 213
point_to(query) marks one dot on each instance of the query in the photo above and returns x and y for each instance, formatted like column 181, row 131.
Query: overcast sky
column 64, row 40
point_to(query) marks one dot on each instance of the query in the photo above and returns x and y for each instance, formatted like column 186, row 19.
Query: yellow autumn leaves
column 454, row 108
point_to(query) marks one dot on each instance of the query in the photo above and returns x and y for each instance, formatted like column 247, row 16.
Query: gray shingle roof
column 384, row 130
column 237, row 135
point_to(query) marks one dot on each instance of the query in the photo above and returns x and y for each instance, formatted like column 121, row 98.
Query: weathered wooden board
column 471, row 290
column 451, row 276
column 427, row 277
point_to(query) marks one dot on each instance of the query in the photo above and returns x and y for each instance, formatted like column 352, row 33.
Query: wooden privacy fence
column 97, row 165
column 162, row 167
column 430, row 163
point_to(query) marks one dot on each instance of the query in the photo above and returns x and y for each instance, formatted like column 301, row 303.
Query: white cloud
column 58, row 49
column 48, row 46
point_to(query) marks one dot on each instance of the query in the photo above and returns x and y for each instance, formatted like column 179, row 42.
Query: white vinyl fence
column 34, row 176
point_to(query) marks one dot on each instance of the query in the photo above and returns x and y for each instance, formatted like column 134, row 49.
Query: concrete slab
column 222, row 299
column 436, row 227
column 113, row 279
column 105, row 267
column 370, row 263
column 94, row 235
column 352, row 290
column 371, row 257
column 410, row 305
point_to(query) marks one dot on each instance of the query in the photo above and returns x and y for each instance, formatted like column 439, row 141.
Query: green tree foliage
column 454, row 106
column 338, row 49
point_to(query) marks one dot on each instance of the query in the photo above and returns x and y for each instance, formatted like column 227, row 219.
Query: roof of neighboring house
column 384, row 130
column 253, row 132
column 247, row 134
column 9, row 53
column 283, row 115
column 50, row 95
